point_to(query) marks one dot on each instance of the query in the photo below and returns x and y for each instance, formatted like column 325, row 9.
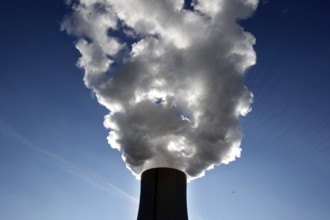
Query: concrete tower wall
column 163, row 195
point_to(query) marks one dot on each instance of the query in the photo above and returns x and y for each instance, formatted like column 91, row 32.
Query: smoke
column 171, row 74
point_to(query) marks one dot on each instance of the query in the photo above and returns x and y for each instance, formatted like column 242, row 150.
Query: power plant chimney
column 163, row 195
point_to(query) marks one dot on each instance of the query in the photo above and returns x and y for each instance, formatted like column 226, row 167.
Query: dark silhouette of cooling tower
column 163, row 195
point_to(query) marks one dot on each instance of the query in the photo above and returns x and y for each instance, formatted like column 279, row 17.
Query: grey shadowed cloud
column 172, row 78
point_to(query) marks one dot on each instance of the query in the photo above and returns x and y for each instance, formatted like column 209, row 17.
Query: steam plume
column 171, row 75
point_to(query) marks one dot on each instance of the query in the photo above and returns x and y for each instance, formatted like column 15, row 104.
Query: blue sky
column 55, row 162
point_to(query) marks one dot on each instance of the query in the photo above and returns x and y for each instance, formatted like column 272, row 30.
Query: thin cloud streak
column 87, row 176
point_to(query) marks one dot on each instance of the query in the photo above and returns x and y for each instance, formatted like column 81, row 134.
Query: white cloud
column 193, row 61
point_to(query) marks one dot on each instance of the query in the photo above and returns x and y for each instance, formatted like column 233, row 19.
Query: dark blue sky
column 55, row 162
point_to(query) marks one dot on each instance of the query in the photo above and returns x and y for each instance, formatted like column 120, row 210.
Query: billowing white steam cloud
column 171, row 76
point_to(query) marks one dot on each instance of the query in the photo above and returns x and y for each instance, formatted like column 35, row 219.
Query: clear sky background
column 55, row 162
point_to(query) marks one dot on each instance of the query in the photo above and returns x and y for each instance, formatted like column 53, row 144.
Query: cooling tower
column 163, row 195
